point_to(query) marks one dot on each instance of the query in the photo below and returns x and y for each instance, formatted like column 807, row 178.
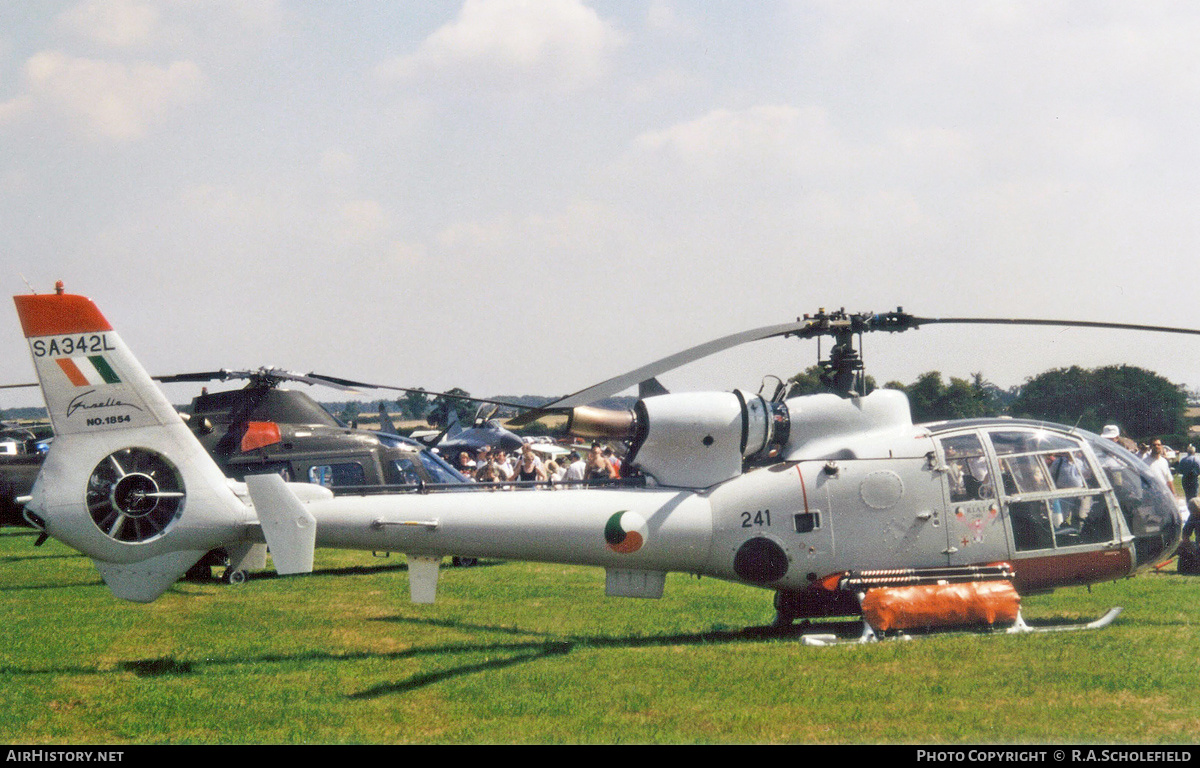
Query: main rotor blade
column 919, row 321
column 331, row 380
column 616, row 384
column 261, row 375
column 807, row 328
column 189, row 378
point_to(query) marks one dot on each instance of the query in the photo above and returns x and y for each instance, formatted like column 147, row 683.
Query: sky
column 523, row 197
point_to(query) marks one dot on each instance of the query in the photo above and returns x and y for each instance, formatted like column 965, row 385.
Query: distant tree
column 930, row 398
column 1002, row 398
column 413, row 404
column 933, row 400
column 1143, row 403
column 350, row 411
column 465, row 409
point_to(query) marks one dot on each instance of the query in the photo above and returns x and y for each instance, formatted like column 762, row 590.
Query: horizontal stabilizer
column 144, row 581
column 289, row 528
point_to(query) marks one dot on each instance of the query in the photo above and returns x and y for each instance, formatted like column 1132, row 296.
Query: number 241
column 763, row 517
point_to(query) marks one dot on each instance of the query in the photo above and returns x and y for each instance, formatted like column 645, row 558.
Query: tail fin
column 125, row 481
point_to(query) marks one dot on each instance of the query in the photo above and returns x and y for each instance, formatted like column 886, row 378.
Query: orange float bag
column 941, row 605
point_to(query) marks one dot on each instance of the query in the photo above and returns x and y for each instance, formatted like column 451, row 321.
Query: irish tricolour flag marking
column 88, row 370
column 625, row 532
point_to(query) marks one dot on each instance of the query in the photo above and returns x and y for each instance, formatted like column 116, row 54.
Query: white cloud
column 405, row 254
column 766, row 137
column 512, row 44
column 663, row 17
column 666, row 84
column 14, row 109
column 213, row 29
column 362, row 221
column 113, row 100
column 114, row 23
column 338, row 163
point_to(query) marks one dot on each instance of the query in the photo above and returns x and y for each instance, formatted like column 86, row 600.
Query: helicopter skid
column 862, row 632
column 1020, row 626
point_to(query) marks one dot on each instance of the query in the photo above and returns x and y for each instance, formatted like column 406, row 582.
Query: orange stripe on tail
column 73, row 373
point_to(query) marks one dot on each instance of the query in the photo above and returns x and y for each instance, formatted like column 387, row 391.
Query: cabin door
column 975, row 531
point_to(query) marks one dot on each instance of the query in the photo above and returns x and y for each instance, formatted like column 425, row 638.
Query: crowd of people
column 494, row 465
column 1154, row 453
column 1189, row 476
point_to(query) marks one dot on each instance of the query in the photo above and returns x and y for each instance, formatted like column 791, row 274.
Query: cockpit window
column 337, row 475
column 967, row 468
column 408, row 471
column 1024, row 474
column 1050, row 490
column 1069, row 469
column 1148, row 506
column 439, row 471
column 1006, row 442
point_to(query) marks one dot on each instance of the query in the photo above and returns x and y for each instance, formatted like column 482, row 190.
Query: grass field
column 530, row 653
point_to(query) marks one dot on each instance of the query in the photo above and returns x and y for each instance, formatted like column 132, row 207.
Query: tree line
column 1141, row 402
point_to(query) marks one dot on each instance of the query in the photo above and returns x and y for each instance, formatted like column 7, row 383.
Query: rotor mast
column 842, row 371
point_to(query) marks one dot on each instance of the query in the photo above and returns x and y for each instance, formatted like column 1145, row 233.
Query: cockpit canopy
column 1055, row 489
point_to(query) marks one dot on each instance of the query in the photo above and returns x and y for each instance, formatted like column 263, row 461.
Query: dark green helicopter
column 21, row 455
column 263, row 427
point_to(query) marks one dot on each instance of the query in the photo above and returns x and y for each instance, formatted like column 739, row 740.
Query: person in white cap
column 1113, row 432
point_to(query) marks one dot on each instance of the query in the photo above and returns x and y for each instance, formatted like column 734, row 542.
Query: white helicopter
column 840, row 505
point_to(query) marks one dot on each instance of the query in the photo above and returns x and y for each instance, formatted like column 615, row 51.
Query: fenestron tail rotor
column 134, row 495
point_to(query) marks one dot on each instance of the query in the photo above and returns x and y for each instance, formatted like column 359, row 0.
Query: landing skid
column 818, row 634
column 1099, row 623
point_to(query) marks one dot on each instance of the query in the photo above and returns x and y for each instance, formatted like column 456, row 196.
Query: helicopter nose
column 1148, row 505
column 1157, row 526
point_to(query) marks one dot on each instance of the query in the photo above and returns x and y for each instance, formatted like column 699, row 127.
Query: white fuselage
column 565, row 526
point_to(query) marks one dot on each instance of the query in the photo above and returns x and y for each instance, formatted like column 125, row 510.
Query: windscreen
column 1149, row 507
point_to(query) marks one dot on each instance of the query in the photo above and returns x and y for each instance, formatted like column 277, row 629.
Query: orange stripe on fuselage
column 803, row 488
column 58, row 314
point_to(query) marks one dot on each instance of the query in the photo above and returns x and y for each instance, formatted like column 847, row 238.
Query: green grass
column 531, row 653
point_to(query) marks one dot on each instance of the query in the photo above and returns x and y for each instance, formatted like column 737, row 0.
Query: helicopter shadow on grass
column 171, row 666
column 72, row 585
column 548, row 647
column 554, row 646
column 349, row 570
column 521, row 653
column 13, row 559
column 844, row 630
column 516, row 653
column 23, row 558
